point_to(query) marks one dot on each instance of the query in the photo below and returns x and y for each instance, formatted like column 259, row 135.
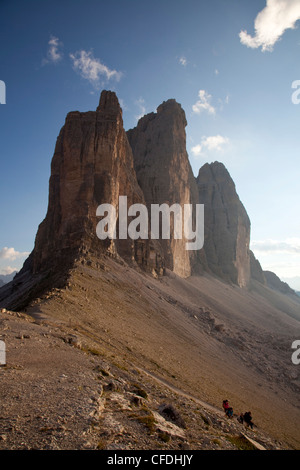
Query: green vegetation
column 140, row 391
column 148, row 421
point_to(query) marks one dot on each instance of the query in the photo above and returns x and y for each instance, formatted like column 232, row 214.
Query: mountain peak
column 109, row 103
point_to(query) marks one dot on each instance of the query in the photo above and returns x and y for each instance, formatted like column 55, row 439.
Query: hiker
column 241, row 418
column 227, row 409
column 225, row 406
column 248, row 419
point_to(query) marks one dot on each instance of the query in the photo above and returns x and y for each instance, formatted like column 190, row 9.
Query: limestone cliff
column 92, row 165
column 165, row 175
column 227, row 225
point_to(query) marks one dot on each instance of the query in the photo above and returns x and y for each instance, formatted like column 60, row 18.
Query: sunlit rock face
column 164, row 173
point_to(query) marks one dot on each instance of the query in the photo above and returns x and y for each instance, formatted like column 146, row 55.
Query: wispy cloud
column 288, row 246
column 271, row 23
column 91, row 68
column 212, row 143
column 11, row 254
column 182, row 61
column 203, row 104
column 142, row 108
column 54, row 55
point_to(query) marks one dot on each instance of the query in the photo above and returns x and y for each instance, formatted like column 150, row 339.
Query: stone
column 164, row 173
column 227, row 225
column 96, row 162
column 92, row 165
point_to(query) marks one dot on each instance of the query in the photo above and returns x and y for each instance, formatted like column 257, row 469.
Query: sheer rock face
column 92, row 165
column 227, row 225
column 165, row 175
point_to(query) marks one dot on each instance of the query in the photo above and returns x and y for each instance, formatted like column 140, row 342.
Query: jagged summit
column 109, row 104
column 173, row 107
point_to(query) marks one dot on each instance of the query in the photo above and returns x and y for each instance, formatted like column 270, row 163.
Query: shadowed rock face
column 92, row 165
column 273, row 281
column 227, row 225
column 165, row 175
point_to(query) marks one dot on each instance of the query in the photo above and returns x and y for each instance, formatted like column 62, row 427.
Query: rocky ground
column 59, row 391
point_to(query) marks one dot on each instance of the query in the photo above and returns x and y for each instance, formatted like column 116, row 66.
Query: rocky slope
column 82, row 374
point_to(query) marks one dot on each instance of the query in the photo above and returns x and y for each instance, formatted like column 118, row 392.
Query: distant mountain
column 275, row 282
column 298, row 293
column 5, row 278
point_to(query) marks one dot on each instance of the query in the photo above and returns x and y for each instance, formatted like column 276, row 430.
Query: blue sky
column 230, row 64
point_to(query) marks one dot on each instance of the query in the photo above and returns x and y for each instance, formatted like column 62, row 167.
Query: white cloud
column 183, row 61
column 53, row 54
column 11, row 254
column 92, row 68
column 288, row 246
column 141, row 104
column 196, row 150
column 293, row 281
column 271, row 23
column 211, row 143
column 203, row 104
column 280, row 256
column 8, row 270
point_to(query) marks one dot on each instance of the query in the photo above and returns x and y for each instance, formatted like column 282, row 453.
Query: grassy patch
column 140, row 391
column 241, row 443
column 148, row 421
column 164, row 436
